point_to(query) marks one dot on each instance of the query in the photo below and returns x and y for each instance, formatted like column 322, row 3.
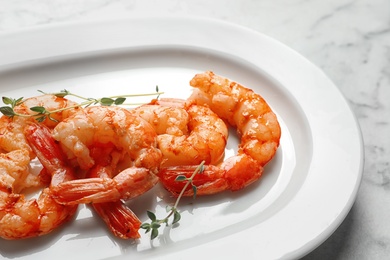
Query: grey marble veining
column 348, row 39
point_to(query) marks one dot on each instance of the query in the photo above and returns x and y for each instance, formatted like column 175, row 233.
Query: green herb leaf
column 151, row 215
column 119, row 101
column 106, row 101
column 155, row 225
column 38, row 109
column 195, row 190
column 7, row 111
column 154, row 233
column 18, row 101
column 7, row 100
column 11, row 101
column 146, row 226
column 41, row 119
column 62, row 94
column 181, row 178
column 176, row 217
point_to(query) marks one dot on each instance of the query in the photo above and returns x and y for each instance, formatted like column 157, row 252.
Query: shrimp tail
column 210, row 181
column 257, row 127
column 49, row 154
column 241, row 170
column 233, row 174
column 128, row 184
column 42, row 143
column 90, row 190
column 21, row 218
column 121, row 221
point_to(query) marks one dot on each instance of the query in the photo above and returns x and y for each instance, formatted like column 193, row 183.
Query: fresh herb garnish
column 41, row 113
column 155, row 223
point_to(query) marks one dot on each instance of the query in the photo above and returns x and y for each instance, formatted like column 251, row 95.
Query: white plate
column 307, row 189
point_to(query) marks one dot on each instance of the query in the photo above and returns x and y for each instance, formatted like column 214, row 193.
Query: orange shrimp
column 128, row 145
column 121, row 221
column 130, row 139
column 119, row 151
column 21, row 218
column 11, row 128
column 187, row 133
column 257, row 126
column 128, row 184
column 12, row 137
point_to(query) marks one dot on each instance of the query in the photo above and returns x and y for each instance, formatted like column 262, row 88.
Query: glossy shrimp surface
column 111, row 137
column 106, row 191
column 187, row 133
column 19, row 217
column 22, row 218
column 119, row 218
column 11, row 129
column 129, row 138
column 12, row 136
column 256, row 124
column 119, row 152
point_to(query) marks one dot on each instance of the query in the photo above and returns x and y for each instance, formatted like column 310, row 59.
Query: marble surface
column 348, row 39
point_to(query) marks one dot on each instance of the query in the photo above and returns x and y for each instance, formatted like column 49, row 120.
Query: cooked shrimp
column 128, row 184
column 14, row 170
column 241, row 107
column 121, row 221
column 21, row 218
column 51, row 103
column 104, row 138
column 101, row 140
column 122, row 140
column 11, row 129
column 12, row 136
column 257, row 126
column 187, row 134
column 131, row 138
column 13, row 141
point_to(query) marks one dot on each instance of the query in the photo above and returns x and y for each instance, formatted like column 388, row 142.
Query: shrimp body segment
column 12, row 135
column 128, row 184
column 11, row 129
column 106, row 195
column 21, row 218
column 14, row 170
column 187, row 133
column 119, row 218
column 256, row 124
column 121, row 221
column 51, row 103
column 130, row 138
column 118, row 150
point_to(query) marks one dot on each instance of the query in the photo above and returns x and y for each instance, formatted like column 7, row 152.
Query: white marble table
column 348, row 39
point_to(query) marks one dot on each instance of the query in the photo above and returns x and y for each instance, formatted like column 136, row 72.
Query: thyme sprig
column 41, row 113
column 155, row 223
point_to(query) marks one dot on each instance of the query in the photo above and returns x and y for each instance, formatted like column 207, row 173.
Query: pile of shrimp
column 104, row 155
